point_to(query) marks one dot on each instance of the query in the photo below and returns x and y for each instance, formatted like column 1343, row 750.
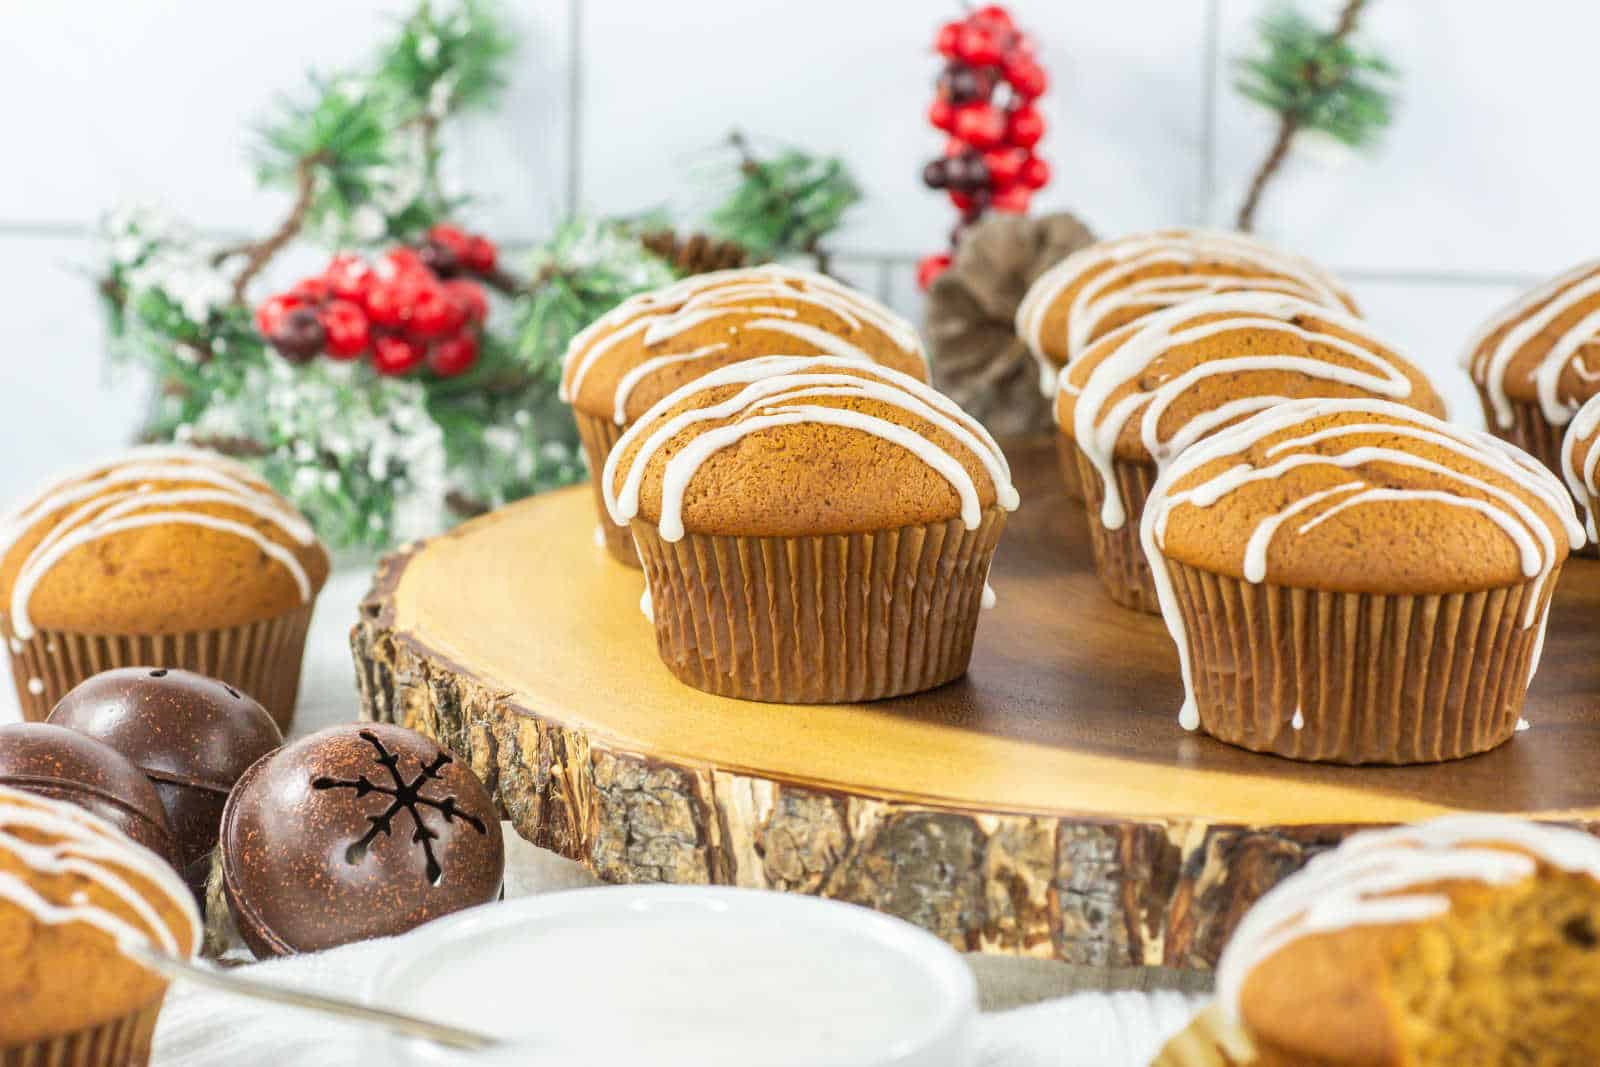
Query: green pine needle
column 444, row 64
column 1331, row 86
column 785, row 204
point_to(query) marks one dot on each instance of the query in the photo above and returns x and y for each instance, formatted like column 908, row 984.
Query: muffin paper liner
column 599, row 437
column 1118, row 556
column 1371, row 678
column 261, row 658
column 823, row 619
column 1532, row 432
column 123, row 1042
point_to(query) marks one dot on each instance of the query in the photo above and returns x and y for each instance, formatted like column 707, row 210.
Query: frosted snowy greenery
column 376, row 461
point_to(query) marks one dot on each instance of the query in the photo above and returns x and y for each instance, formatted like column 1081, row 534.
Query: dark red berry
column 395, row 355
column 1024, row 127
column 271, row 312
column 469, row 297
column 1035, row 173
column 299, row 336
column 961, row 84
column 980, row 125
column 931, row 267
column 480, row 256
column 967, row 173
column 440, row 259
column 453, row 355
column 936, row 175
column 347, row 328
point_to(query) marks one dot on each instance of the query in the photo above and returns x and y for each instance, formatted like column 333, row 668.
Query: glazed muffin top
column 1151, row 388
column 160, row 540
column 1580, row 458
column 1107, row 285
column 72, row 892
column 1360, row 496
column 1543, row 348
column 656, row 342
column 795, row 446
column 1306, row 967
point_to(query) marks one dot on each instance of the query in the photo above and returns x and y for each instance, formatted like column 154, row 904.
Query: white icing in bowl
column 671, row 975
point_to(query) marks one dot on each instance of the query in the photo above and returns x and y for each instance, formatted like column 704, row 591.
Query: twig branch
column 259, row 253
column 1289, row 126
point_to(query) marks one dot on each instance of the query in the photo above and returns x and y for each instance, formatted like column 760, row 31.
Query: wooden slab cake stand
column 1047, row 804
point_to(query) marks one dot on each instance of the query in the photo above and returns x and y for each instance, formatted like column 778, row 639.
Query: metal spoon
column 352, row 1011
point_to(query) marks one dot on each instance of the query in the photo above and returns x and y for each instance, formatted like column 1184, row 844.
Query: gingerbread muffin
column 1580, row 461
column 657, row 342
column 163, row 557
column 1110, row 284
column 1386, row 575
column 74, row 894
column 1537, row 360
column 813, row 530
column 1149, row 389
column 1468, row 941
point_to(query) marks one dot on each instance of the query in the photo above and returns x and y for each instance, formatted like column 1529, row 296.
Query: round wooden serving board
column 1046, row 804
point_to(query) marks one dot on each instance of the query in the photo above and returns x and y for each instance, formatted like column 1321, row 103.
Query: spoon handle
column 410, row 1025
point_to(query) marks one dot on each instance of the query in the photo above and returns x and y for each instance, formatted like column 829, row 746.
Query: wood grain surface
column 1046, row 804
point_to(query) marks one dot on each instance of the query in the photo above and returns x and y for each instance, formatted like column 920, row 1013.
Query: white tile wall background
column 1483, row 184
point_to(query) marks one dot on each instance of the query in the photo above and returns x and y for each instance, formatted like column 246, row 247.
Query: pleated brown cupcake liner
column 599, row 437
column 261, row 658
column 1356, row 677
column 1119, row 558
column 1534, row 434
column 1067, row 454
column 819, row 620
column 123, row 1042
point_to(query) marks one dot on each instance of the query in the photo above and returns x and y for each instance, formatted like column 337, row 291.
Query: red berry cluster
column 988, row 160
column 413, row 307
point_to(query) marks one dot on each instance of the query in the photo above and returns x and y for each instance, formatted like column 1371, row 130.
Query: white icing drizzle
column 113, row 497
column 1579, row 471
column 1376, row 878
column 1107, row 292
column 82, row 845
column 1298, row 722
column 741, row 297
column 1489, row 367
column 625, row 387
column 1523, row 525
column 1523, row 724
column 1096, row 427
column 35, row 686
column 771, row 387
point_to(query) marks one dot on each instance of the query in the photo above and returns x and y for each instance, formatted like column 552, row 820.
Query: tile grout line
column 1208, row 115
column 574, row 105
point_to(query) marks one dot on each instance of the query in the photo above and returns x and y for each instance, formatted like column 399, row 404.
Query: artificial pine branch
column 1315, row 80
column 260, row 253
column 784, row 205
